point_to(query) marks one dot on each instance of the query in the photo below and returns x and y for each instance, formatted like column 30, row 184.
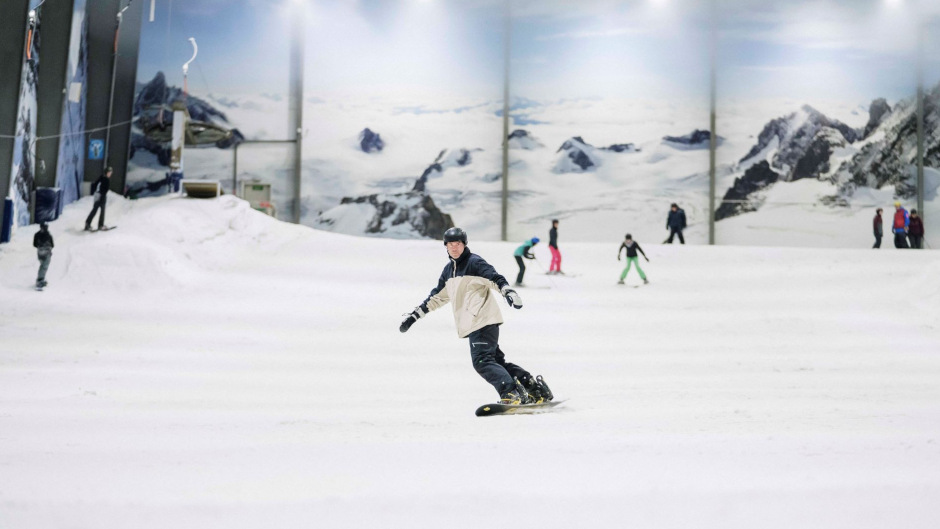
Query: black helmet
column 628, row 236
column 455, row 234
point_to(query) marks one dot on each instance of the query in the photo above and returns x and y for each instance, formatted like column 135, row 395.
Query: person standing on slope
column 632, row 248
column 675, row 223
column 900, row 225
column 878, row 226
column 523, row 251
column 555, row 266
column 916, row 230
column 43, row 243
column 467, row 283
column 100, row 191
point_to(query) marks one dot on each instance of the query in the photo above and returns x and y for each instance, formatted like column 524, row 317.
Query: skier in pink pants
column 555, row 267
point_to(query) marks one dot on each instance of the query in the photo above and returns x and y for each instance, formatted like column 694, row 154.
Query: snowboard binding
column 537, row 390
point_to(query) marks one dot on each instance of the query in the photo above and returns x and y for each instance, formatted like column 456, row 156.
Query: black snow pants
column 900, row 240
column 101, row 203
column 490, row 362
column 521, row 270
column 672, row 233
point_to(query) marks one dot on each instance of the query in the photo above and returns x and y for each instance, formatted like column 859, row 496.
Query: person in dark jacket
column 900, row 226
column 43, row 243
column 915, row 231
column 878, row 226
column 523, row 251
column 100, row 191
column 555, row 267
column 675, row 223
column 467, row 283
column 632, row 249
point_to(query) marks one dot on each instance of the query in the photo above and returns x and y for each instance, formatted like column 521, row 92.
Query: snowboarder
column 916, row 230
column 675, row 223
column 466, row 283
column 523, row 251
column 878, row 225
column 555, row 266
column 100, row 191
column 43, row 243
column 632, row 248
column 900, row 226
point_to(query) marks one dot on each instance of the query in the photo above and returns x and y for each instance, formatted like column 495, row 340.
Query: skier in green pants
column 632, row 248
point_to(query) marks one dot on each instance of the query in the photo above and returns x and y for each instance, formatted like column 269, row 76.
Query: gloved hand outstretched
column 512, row 297
column 647, row 258
column 410, row 319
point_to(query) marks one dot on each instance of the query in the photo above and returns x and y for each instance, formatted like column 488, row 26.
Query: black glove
column 618, row 256
column 647, row 258
column 512, row 297
column 410, row 319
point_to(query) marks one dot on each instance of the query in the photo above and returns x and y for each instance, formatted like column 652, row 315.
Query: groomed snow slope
column 206, row 366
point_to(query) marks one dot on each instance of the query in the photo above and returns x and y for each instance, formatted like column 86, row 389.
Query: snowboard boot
column 516, row 396
column 534, row 390
column 620, row 282
column 539, row 390
column 511, row 398
column 645, row 281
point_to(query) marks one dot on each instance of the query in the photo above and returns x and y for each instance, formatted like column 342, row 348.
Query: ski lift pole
column 114, row 63
column 186, row 66
column 178, row 142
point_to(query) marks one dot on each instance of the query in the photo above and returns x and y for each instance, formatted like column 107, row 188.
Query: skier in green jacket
column 523, row 251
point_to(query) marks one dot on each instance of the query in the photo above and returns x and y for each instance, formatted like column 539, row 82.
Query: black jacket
column 102, row 184
column 631, row 250
column 553, row 237
column 43, row 239
column 676, row 219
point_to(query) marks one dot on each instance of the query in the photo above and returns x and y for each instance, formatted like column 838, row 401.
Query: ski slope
column 207, row 366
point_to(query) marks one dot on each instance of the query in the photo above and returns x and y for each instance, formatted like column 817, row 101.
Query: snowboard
column 487, row 410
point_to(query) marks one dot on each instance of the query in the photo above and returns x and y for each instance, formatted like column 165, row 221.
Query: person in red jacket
column 878, row 226
column 916, row 230
column 899, row 226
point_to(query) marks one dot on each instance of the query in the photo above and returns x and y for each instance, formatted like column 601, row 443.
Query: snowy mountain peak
column 622, row 147
column 400, row 216
column 370, row 141
column 575, row 156
column 887, row 160
column 795, row 134
column 876, row 113
column 697, row 139
column 453, row 158
column 523, row 139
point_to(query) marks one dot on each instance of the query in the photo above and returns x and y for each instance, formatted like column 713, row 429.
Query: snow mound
column 162, row 242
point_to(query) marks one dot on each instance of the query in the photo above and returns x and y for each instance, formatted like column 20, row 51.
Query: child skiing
column 632, row 248
column 466, row 283
column 523, row 251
